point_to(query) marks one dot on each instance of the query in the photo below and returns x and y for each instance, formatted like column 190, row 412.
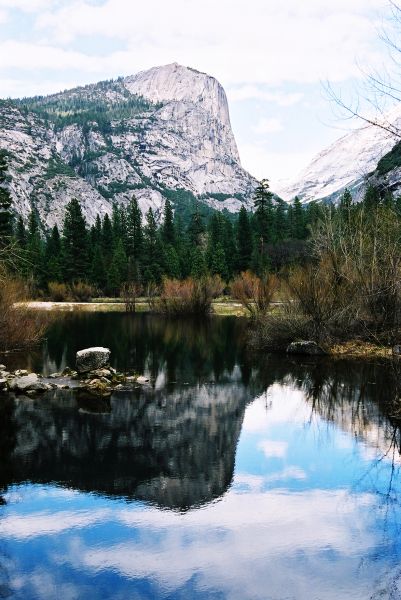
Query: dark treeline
column 124, row 247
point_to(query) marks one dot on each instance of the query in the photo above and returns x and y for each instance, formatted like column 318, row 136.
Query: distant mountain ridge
column 348, row 162
column 162, row 133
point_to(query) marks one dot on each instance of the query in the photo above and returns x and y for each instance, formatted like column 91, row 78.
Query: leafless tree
column 380, row 88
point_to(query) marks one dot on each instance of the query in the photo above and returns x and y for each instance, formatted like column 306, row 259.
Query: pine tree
column 218, row 264
column 280, row 221
column 113, row 284
column 168, row 229
column 372, row 197
column 198, row 263
column 96, row 232
column 313, row 213
column 264, row 221
column 20, row 234
column 171, row 262
column 263, row 202
column 388, row 199
column 117, row 222
column 244, row 240
column 98, row 270
column 107, row 239
column 346, row 200
column 229, row 246
column 53, row 256
column 134, row 231
column 6, row 229
column 182, row 247
column 75, row 243
column 298, row 223
column 120, row 262
column 35, row 249
column 153, row 252
column 196, row 228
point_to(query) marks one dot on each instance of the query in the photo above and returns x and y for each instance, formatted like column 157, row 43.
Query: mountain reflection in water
column 230, row 476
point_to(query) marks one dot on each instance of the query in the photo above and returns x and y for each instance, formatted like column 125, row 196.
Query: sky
column 272, row 57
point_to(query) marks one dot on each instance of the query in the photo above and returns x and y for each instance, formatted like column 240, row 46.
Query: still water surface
column 230, row 476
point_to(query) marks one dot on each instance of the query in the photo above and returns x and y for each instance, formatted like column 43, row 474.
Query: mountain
column 346, row 163
column 162, row 133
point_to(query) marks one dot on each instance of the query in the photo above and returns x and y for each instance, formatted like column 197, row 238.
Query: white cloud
column 223, row 545
column 284, row 41
column 277, row 405
column 17, row 88
column 251, row 92
column 26, row 5
column 273, row 449
column 287, row 473
column 268, row 125
column 44, row 523
column 25, row 55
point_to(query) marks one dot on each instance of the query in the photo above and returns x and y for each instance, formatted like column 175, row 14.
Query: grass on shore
column 360, row 349
column 221, row 307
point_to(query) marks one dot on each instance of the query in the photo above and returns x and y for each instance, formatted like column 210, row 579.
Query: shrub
column 276, row 331
column 323, row 299
column 82, row 291
column 216, row 286
column 254, row 293
column 361, row 246
column 19, row 326
column 58, row 292
column 190, row 296
column 130, row 292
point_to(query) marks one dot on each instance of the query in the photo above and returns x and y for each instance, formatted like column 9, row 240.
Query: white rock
column 91, row 359
column 24, row 383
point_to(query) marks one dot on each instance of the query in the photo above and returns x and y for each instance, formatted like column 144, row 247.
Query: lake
column 229, row 476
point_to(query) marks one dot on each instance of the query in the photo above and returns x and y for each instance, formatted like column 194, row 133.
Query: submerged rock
column 24, row 383
column 40, row 387
column 305, row 347
column 97, row 387
column 91, row 359
column 102, row 373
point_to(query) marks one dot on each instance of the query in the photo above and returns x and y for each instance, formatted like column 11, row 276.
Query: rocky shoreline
column 92, row 375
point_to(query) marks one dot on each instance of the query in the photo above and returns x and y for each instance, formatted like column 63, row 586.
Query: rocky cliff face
column 346, row 163
column 153, row 134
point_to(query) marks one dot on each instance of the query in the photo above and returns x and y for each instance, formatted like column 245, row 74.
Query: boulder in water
column 24, row 383
column 91, row 359
column 305, row 347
